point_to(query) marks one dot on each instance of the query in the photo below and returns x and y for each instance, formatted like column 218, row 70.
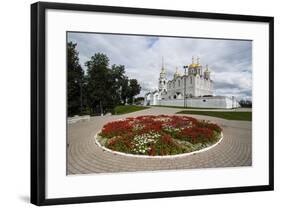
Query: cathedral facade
column 193, row 88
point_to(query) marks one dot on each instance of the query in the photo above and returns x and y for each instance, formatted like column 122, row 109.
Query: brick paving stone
column 85, row 156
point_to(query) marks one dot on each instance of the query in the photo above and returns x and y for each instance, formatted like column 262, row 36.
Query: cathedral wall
column 203, row 102
column 195, row 86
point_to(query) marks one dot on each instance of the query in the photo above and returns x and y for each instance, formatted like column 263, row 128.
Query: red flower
column 120, row 133
column 167, row 139
column 197, row 133
column 152, row 151
column 116, row 128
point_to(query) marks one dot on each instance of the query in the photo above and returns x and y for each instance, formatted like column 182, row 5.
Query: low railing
column 75, row 119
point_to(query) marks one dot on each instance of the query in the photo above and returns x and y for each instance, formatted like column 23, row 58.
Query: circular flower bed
column 158, row 135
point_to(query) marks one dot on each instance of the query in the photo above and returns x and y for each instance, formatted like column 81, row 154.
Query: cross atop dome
column 193, row 64
column 162, row 68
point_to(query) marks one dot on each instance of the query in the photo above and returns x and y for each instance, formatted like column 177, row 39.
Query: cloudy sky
column 230, row 61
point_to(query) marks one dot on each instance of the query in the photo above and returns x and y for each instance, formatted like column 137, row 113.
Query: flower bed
column 159, row 135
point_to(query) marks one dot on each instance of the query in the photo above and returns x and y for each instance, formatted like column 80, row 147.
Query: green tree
column 107, row 86
column 134, row 89
column 117, row 77
column 139, row 100
column 102, row 84
column 97, row 82
column 125, row 90
column 75, row 81
column 245, row 103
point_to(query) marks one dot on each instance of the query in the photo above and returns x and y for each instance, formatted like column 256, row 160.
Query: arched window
column 179, row 83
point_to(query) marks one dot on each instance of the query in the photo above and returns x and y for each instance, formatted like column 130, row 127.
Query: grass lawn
column 123, row 109
column 232, row 115
column 168, row 106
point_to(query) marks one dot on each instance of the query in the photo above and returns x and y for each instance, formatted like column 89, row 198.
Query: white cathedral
column 192, row 89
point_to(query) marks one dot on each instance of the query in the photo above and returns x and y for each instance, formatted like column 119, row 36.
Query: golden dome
column 194, row 65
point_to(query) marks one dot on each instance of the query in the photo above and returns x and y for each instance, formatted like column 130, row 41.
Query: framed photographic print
column 134, row 103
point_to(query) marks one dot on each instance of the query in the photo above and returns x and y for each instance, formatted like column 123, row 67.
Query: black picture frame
column 38, row 99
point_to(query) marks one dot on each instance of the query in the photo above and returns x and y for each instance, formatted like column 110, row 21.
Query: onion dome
column 177, row 73
column 194, row 65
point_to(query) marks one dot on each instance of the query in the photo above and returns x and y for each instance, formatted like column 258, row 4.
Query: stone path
column 84, row 156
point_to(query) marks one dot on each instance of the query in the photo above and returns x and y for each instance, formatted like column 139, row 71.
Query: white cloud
column 230, row 61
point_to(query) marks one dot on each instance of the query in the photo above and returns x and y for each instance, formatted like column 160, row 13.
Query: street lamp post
column 185, row 67
column 79, row 82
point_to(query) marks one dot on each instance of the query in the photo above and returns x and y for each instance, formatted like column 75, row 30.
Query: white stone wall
column 203, row 86
column 195, row 86
column 202, row 102
column 155, row 99
column 146, row 99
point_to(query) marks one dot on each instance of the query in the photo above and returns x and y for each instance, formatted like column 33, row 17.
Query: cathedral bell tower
column 162, row 85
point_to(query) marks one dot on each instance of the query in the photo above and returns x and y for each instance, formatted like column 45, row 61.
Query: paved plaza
column 84, row 156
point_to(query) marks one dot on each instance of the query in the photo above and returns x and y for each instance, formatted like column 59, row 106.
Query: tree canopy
column 75, row 79
column 102, row 87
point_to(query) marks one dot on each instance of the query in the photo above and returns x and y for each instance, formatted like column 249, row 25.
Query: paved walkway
column 84, row 156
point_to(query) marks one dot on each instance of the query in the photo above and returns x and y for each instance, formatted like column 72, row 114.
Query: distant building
column 196, row 86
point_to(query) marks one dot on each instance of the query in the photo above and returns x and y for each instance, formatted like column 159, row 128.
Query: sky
column 230, row 61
